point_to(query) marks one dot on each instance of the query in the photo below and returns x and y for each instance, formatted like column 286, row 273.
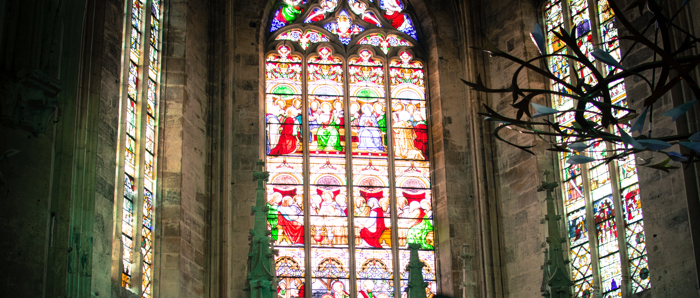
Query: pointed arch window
column 346, row 146
column 138, row 136
column 602, row 202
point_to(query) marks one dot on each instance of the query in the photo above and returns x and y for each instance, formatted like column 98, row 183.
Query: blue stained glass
column 276, row 23
column 409, row 29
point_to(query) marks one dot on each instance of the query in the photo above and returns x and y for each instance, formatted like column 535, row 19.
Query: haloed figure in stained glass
column 375, row 229
column 290, row 287
column 404, row 135
column 286, row 14
column 370, row 135
column 327, row 133
column 338, row 291
column 284, row 135
column 393, row 14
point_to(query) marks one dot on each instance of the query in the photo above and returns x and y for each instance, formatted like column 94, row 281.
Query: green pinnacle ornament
column 556, row 282
column 416, row 284
column 261, row 281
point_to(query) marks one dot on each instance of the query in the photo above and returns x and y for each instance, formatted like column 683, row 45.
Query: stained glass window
column 347, row 149
column 139, row 144
column 595, row 193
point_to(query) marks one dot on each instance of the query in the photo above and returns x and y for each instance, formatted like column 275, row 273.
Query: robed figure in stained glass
column 273, row 124
column 375, row 230
column 273, row 215
column 421, row 228
column 368, row 290
column 404, row 137
column 327, row 135
column 288, row 136
column 290, row 288
column 421, row 130
column 289, row 219
column 398, row 20
column 339, row 290
column 369, row 134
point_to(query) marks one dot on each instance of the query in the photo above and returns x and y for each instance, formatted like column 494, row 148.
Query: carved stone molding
column 29, row 100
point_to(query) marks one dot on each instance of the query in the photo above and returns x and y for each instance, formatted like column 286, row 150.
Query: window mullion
column 392, row 180
column 349, row 178
column 307, row 182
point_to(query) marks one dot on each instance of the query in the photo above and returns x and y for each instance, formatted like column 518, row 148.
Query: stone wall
column 183, row 215
column 518, row 204
column 110, row 18
column 62, row 180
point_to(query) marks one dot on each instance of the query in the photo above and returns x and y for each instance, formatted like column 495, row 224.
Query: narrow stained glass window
column 347, row 149
column 596, row 192
column 139, row 144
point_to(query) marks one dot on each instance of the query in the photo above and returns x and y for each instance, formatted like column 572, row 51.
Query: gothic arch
column 447, row 113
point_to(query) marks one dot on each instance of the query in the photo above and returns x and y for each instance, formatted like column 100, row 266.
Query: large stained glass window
column 347, row 149
column 607, row 247
column 138, row 145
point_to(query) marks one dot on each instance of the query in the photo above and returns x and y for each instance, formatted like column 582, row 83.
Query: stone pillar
column 182, row 216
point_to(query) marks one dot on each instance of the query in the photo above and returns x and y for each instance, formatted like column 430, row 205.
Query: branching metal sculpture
column 596, row 118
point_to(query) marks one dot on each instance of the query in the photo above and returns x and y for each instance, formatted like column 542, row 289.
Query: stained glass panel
column 289, row 267
column 345, row 134
column 360, row 8
column 304, row 38
column 408, row 109
column 384, row 43
column 428, row 257
column 285, row 15
column 319, row 13
column 640, row 274
column 401, row 21
column 331, row 268
column 344, row 27
column 128, row 229
column 429, row 273
column 381, row 288
column 131, row 150
column 286, row 214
